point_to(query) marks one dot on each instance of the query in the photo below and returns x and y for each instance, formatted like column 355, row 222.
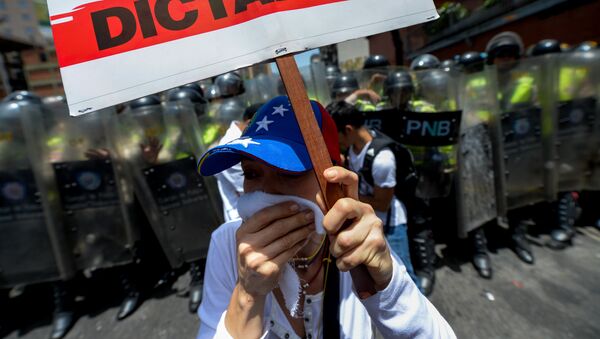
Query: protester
column 248, row 278
column 369, row 154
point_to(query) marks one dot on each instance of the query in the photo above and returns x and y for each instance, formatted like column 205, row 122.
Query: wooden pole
column 317, row 150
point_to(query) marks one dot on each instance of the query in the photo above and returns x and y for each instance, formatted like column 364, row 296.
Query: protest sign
column 113, row 51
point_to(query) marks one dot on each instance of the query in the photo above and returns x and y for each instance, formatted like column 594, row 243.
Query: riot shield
column 527, row 135
column 95, row 198
column 575, row 108
column 315, row 81
column 436, row 163
column 476, row 184
column 32, row 243
column 160, row 144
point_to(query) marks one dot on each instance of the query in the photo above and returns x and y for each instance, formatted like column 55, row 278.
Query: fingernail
column 294, row 208
column 330, row 173
column 309, row 216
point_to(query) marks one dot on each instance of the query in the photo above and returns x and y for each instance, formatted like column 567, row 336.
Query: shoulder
column 225, row 234
column 384, row 158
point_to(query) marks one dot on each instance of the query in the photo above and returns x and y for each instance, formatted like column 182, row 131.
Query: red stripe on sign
column 109, row 27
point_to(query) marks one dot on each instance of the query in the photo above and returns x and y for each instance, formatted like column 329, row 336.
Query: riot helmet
column 448, row 65
column 399, row 88
column 376, row 61
column 230, row 110
column 343, row 86
column 433, row 86
column 546, row 46
column 230, row 85
column 54, row 99
column 23, row 97
column 586, row 46
column 195, row 87
column 188, row 93
column 213, row 93
column 424, row 62
column 472, row 62
column 504, row 45
column 331, row 72
column 147, row 101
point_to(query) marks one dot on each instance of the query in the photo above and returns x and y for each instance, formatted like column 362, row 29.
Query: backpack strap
column 377, row 145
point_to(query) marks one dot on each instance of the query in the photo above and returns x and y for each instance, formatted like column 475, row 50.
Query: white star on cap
column 279, row 110
column 264, row 124
column 244, row 142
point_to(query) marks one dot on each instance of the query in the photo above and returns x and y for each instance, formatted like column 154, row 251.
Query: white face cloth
column 289, row 283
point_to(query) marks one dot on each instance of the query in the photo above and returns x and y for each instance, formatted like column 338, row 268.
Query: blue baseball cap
column 274, row 138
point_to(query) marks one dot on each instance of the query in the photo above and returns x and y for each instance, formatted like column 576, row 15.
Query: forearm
column 245, row 313
column 401, row 311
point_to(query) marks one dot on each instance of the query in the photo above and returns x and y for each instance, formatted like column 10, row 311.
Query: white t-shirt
column 231, row 181
column 384, row 176
column 399, row 311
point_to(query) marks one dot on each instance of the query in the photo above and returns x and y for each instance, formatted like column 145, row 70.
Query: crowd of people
column 119, row 189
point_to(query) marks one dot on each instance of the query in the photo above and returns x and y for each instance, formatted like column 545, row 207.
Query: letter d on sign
column 413, row 125
column 102, row 29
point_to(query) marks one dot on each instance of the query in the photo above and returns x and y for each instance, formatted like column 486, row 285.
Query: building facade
column 470, row 24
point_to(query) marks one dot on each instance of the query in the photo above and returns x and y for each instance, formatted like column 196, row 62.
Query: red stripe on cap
column 330, row 134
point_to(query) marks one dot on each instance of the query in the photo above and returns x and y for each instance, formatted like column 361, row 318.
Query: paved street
column 559, row 297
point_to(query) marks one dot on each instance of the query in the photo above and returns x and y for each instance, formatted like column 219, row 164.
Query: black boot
column 481, row 259
column 196, row 284
column 519, row 242
column 567, row 213
column 132, row 297
column 64, row 311
column 423, row 262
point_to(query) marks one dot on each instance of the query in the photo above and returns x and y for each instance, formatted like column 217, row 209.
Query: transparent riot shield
column 315, row 81
column 161, row 144
column 262, row 88
column 32, row 243
column 373, row 79
column 476, row 184
column 527, row 134
column 95, row 198
column 575, row 108
column 436, row 93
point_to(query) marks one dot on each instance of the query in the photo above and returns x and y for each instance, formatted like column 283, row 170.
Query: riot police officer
column 159, row 142
column 331, row 73
column 94, row 203
column 399, row 90
column 504, row 51
column 425, row 62
column 346, row 88
column 476, row 117
column 343, row 86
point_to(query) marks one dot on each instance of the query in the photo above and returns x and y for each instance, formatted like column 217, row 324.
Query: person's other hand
column 363, row 242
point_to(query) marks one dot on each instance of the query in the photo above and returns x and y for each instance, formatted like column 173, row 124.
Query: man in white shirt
column 231, row 181
column 377, row 176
